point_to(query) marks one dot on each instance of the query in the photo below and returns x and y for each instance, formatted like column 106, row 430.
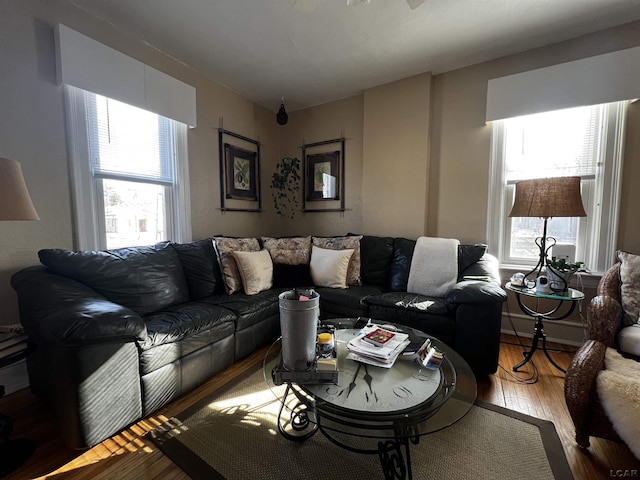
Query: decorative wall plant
column 285, row 185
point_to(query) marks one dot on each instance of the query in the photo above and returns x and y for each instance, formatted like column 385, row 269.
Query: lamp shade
column 548, row 197
column 15, row 202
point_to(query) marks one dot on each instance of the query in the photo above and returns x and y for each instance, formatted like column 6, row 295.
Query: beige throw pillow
column 256, row 270
column 230, row 273
column 342, row 243
column 329, row 267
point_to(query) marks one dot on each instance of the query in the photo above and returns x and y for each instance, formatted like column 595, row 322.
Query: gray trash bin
column 299, row 327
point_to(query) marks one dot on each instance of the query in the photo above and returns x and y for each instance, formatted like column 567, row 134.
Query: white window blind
column 553, row 144
column 128, row 143
column 583, row 141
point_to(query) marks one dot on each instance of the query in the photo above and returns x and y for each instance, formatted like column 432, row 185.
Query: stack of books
column 377, row 346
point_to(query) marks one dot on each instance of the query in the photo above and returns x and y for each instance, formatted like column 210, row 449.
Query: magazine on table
column 377, row 346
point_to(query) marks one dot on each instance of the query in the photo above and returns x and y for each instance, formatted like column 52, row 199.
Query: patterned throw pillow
column 225, row 246
column 288, row 250
column 345, row 243
column 630, row 286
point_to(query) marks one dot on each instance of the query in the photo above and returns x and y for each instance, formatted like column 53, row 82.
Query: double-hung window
column 129, row 171
column 583, row 141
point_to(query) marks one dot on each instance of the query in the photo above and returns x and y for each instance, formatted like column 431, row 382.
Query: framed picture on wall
column 239, row 159
column 240, row 173
column 323, row 176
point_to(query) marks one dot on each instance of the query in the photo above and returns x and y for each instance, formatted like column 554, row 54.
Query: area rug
column 234, row 436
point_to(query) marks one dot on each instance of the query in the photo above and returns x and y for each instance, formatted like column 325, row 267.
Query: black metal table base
column 394, row 454
column 396, row 465
column 538, row 334
column 300, row 424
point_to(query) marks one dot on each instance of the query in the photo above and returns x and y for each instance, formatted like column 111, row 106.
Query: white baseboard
column 14, row 377
column 558, row 331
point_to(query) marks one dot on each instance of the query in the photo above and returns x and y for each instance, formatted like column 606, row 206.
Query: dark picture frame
column 323, row 176
column 240, row 173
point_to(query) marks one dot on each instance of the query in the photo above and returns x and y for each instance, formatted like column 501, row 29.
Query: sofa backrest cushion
column 400, row 264
column 201, row 268
column 376, row 254
column 469, row 254
column 144, row 279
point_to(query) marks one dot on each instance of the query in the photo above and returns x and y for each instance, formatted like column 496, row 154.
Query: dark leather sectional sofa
column 119, row 334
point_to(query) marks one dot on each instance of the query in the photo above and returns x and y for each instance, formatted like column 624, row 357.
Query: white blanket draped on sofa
column 434, row 266
column 619, row 389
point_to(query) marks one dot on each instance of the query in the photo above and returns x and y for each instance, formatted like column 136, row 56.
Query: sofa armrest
column 580, row 386
column 487, row 266
column 475, row 292
column 471, row 291
column 59, row 310
column 604, row 318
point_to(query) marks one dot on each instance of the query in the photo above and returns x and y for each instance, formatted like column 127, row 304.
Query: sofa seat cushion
column 409, row 301
column 428, row 314
column 181, row 321
column 249, row 309
column 345, row 302
column 144, row 279
column 157, row 356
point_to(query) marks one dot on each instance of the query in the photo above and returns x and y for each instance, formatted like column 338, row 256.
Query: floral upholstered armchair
column 602, row 386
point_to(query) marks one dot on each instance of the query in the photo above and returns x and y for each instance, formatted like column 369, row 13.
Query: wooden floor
column 130, row 455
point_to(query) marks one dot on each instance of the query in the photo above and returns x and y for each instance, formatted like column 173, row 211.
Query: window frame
column 86, row 188
column 601, row 194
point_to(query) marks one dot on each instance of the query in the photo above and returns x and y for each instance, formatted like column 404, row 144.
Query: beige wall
column 460, row 139
column 342, row 118
column 460, row 153
column 396, row 153
column 32, row 131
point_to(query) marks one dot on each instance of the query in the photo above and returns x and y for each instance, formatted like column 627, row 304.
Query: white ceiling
column 315, row 51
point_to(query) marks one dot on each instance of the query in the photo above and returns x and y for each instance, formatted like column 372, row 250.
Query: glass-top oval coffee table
column 375, row 410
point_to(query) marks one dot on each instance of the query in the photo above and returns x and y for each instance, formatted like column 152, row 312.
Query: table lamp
column 15, row 204
column 547, row 198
